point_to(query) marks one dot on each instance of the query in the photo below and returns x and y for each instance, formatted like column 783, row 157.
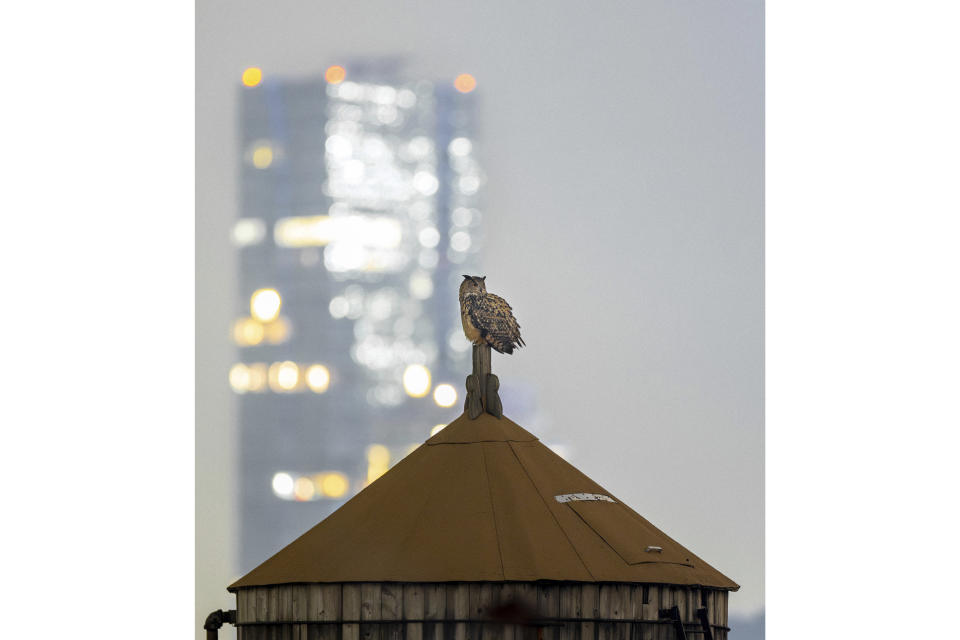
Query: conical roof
column 484, row 500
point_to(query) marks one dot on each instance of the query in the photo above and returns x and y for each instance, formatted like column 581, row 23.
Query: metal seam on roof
column 552, row 514
column 496, row 524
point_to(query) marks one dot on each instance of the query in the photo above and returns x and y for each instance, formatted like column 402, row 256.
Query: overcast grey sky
column 623, row 148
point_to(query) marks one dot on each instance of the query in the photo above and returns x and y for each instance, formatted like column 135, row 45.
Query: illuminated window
column 335, row 74
column 252, row 76
column 465, row 83
column 416, row 380
column 318, row 378
column 445, row 395
column 265, row 304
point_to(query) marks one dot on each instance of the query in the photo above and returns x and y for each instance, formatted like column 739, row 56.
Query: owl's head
column 473, row 285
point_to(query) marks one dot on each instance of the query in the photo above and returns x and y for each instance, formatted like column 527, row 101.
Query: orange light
column 252, row 76
column 465, row 83
column 335, row 74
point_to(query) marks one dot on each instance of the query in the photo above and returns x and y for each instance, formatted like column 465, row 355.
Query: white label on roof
column 582, row 497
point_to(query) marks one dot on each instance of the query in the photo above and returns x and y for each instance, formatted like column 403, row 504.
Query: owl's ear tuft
column 484, row 278
column 465, row 276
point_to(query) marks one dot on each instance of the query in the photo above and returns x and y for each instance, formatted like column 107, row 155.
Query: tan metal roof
column 484, row 500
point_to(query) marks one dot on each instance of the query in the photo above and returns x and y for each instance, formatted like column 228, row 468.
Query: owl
column 487, row 318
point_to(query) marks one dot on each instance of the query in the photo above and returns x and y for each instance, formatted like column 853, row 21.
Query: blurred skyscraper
column 358, row 212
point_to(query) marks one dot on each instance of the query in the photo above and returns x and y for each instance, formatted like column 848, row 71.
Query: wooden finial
column 482, row 386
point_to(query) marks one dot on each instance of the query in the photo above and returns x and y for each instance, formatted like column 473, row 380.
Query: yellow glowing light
column 265, row 305
column 258, row 376
column 378, row 461
column 465, row 83
column 252, row 76
column 303, row 489
column 378, row 454
column 416, row 380
column 334, row 484
column 247, row 332
column 240, row 378
column 284, row 376
column 445, row 395
column 335, row 74
column 437, row 428
column 262, row 156
column 304, row 231
column 318, row 378
column 277, row 331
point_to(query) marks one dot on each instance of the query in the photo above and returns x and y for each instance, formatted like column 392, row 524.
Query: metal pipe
column 216, row 619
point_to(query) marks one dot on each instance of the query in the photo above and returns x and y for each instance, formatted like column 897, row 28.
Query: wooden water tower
column 482, row 533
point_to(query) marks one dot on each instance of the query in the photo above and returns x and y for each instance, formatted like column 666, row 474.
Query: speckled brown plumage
column 487, row 318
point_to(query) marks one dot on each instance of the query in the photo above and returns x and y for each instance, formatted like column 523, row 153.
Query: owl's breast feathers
column 493, row 318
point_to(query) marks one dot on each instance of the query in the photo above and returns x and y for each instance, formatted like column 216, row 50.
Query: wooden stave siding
column 417, row 611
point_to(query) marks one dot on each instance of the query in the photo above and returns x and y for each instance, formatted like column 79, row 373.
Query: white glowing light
column 387, row 114
column 383, row 94
column 248, row 231
column 429, row 237
column 425, row 182
column 349, row 91
column 460, row 147
column 265, row 304
column 428, row 259
column 420, row 147
column 339, row 146
column 458, row 342
column 469, row 185
column 339, row 307
column 462, row 217
column 460, row 241
column 445, row 395
column 416, row 380
column 437, row 428
column 406, row 98
column 353, row 171
column 318, row 378
column 282, row 484
column 421, row 286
